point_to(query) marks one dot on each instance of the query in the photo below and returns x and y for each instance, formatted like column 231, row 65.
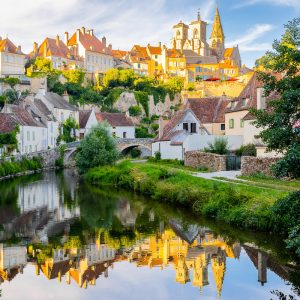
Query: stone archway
column 145, row 151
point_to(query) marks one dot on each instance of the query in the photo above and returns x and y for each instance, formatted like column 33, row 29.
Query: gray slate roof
column 59, row 102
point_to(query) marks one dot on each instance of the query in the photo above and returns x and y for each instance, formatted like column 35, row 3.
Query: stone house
column 120, row 125
column 12, row 59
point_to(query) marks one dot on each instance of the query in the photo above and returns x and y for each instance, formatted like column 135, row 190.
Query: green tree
column 98, row 148
column 68, row 129
column 176, row 84
column 219, row 146
column 40, row 68
column 74, row 76
column 279, row 131
column 111, row 78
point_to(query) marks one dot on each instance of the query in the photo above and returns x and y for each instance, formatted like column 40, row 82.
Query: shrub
column 246, row 150
column 190, row 86
column 154, row 127
column 219, row 146
column 157, row 155
column 98, row 148
column 135, row 153
column 135, row 111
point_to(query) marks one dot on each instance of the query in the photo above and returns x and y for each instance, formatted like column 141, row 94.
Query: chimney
column 109, row 48
column 83, row 30
column 19, row 49
column 161, row 127
column 57, row 40
column 35, row 47
column 66, row 96
column 104, row 42
column 261, row 100
column 159, row 44
column 92, row 32
column 77, row 34
column 66, row 38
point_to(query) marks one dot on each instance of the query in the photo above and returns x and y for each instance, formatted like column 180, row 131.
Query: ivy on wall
column 9, row 140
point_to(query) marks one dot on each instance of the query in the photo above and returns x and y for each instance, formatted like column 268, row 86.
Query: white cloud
column 290, row 3
column 123, row 22
column 249, row 41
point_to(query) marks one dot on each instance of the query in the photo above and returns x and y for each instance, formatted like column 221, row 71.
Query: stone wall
column 250, row 165
column 213, row 162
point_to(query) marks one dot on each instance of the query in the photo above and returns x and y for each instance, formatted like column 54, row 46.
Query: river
column 64, row 239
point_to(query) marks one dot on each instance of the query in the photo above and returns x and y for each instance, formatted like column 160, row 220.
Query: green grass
column 245, row 206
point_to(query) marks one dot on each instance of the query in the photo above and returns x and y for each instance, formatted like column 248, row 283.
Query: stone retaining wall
column 213, row 162
column 250, row 165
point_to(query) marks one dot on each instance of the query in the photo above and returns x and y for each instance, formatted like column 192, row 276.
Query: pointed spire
column 198, row 16
column 217, row 30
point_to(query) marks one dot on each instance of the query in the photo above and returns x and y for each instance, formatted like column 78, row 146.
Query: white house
column 87, row 120
column 12, row 59
column 32, row 136
column 186, row 132
column 121, row 126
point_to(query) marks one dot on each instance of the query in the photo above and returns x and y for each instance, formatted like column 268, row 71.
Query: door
column 233, row 163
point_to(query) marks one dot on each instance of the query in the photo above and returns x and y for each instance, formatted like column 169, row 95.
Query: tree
column 74, row 76
column 176, row 84
column 11, row 81
column 68, row 133
column 111, row 78
column 219, row 146
column 279, row 123
column 40, row 68
column 98, row 148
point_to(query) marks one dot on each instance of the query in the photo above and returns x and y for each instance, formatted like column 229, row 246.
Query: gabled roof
column 119, row 53
column 139, row 52
column 43, row 109
column 7, row 123
column 6, row 45
column 59, row 102
column 209, row 110
column 88, row 40
column 174, row 53
column 154, row 50
column 114, row 119
column 84, row 116
column 23, row 117
column 52, row 47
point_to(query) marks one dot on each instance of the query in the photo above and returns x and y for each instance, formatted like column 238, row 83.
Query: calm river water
column 63, row 239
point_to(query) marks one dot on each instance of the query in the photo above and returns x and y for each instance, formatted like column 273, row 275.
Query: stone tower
column 181, row 35
column 217, row 38
column 198, row 40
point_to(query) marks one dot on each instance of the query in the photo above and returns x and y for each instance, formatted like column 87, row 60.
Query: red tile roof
column 52, row 48
column 7, row 123
column 89, row 41
column 114, row 119
column 24, row 117
column 8, row 46
column 119, row 53
column 209, row 110
column 154, row 50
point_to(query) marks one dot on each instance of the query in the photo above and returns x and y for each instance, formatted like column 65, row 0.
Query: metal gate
column 233, row 163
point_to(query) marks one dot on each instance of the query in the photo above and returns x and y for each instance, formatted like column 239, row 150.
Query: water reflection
column 77, row 234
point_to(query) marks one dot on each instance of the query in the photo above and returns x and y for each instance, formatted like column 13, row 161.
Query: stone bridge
column 124, row 146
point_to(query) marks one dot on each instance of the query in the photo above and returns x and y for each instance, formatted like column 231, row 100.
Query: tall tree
column 281, row 123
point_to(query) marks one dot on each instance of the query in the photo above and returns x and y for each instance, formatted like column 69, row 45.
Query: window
column 222, row 126
column 244, row 102
column 242, row 123
column 186, row 126
column 33, row 135
column 193, row 127
column 231, row 123
column 139, row 66
column 124, row 135
column 156, row 56
column 28, row 135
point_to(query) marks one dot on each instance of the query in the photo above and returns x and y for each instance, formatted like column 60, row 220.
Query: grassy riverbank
column 244, row 206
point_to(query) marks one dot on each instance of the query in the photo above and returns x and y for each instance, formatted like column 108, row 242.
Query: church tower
column 181, row 35
column 217, row 38
column 198, row 41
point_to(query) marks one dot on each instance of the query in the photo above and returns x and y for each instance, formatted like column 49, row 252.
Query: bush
column 219, row 146
column 246, row 150
column 190, row 86
column 154, row 127
column 98, row 148
column 135, row 153
column 135, row 111
column 157, row 155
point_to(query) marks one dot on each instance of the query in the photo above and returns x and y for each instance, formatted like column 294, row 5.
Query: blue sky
column 253, row 24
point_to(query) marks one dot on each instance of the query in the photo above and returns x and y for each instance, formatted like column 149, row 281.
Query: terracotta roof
column 228, row 52
column 24, row 117
column 140, row 52
column 119, row 53
column 209, row 110
column 89, row 41
column 84, row 117
column 7, row 123
column 52, row 48
column 114, row 119
column 174, row 53
column 154, row 50
column 59, row 102
column 249, row 93
column 8, row 46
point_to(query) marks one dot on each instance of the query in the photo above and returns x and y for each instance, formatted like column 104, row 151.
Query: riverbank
column 245, row 206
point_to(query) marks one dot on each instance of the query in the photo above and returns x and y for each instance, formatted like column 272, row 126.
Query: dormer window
column 186, row 126
column 244, row 102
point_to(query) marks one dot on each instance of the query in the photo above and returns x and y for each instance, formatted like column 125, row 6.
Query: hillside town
column 218, row 104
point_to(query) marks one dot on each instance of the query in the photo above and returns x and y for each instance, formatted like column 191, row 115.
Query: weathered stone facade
column 213, row 162
column 250, row 165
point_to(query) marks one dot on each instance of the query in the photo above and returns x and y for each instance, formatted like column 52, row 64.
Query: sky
column 252, row 24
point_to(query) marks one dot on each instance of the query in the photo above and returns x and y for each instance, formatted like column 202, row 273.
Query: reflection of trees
column 145, row 224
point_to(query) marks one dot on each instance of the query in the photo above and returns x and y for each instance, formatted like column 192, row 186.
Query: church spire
column 217, row 38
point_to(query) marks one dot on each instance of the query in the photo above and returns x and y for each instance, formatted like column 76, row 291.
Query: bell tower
column 198, row 30
column 217, row 38
column 181, row 34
